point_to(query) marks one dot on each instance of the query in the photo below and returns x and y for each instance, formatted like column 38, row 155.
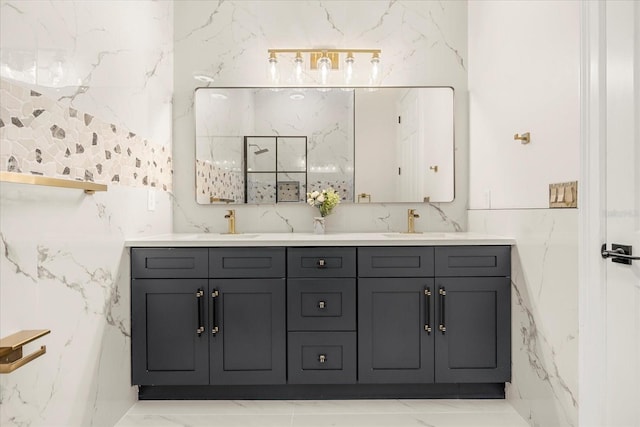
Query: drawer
column 322, row 357
column 247, row 262
column 169, row 263
column 321, row 262
column 460, row 261
column 321, row 304
column 395, row 262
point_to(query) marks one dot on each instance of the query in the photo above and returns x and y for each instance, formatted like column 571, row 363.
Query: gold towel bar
column 11, row 349
column 23, row 178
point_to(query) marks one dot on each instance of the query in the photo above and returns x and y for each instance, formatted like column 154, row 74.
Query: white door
column 622, row 214
column 609, row 388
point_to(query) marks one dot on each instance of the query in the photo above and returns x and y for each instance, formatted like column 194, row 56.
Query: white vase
column 318, row 225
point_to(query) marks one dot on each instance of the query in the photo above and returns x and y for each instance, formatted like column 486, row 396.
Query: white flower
column 315, row 194
column 320, row 198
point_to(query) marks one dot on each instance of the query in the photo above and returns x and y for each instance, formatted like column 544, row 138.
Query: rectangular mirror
column 380, row 145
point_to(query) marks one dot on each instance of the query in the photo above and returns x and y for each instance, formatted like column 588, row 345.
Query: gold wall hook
column 434, row 168
column 525, row 137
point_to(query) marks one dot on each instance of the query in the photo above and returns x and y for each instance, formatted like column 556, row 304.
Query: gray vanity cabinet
column 318, row 322
column 169, row 345
column 452, row 325
column 321, row 289
column 473, row 314
column 208, row 316
column 249, row 343
column 248, row 316
column 393, row 343
column 395, row 315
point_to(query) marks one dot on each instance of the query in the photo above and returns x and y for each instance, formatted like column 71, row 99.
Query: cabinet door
column 166, row 345
column 475, row 345
column 394, row 343
column 248, row 334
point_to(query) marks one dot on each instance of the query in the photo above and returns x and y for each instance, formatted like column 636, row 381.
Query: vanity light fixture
column 325, row 61
column 376, row 70
column 298, row 64
column 324, row 67
column 348, row 68
column 272, row 70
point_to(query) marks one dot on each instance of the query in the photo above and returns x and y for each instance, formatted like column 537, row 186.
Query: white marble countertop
column 309, row 239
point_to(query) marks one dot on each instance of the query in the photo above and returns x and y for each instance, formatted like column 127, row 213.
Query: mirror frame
column 357, row 198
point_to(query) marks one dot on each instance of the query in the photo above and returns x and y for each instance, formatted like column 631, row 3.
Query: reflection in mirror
column 261, row 145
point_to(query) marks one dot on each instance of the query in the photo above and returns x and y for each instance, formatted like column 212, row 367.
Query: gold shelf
column 218, row 199
column 11, row 349
column 22, row 178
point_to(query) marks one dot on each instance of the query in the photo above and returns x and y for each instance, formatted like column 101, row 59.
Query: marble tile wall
column 62, row 260
column 39, row 136
column 544, row 310
column 423, row 44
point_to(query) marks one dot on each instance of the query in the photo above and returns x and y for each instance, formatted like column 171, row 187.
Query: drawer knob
column 322, row 263
column 322, row 358
column 322, row 304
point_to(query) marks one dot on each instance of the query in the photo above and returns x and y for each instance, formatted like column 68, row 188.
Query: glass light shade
column 324, row 67
column 298, row 63
column 272, row 70
column 376, row 71
column 348, row 69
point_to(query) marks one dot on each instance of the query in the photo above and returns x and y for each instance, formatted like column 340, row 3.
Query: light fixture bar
column 325, row 61
column 317, row 50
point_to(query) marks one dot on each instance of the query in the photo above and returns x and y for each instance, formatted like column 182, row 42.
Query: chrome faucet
column 411, row 217
column 231, row 216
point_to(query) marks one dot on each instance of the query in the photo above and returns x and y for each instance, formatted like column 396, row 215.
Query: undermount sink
column 417, row 235
column 218, row 236
column 231, row 236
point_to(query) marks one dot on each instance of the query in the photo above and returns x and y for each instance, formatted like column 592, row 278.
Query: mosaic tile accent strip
column 343, row 187
column 217, row 183
column 40, row 136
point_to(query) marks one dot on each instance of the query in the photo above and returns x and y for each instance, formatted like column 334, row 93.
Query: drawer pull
column 322, row 358
column 214, row 319
column 321, row 263
column 199, row 301
column 442, row 327
column 427, row 310
column 322, row 304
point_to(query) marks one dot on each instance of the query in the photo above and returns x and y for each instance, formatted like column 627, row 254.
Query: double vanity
column 293, row 315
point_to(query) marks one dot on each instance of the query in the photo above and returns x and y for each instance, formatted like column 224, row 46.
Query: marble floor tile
column 205, row 420
column 214, row 407
column 324, row 413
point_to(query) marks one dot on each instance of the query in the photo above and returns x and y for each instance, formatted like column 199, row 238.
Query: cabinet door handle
column 214, row 319
column 442, row 327
column 322, row 263
column 427, row 310
column 322, row 358
column 322, row 304
column 200, row 302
